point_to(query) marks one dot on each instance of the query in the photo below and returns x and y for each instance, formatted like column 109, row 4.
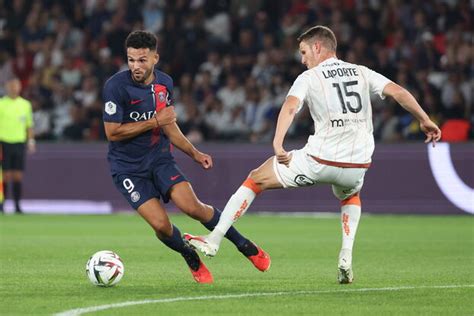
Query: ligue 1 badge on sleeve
column 135, row 196
column 110, row 108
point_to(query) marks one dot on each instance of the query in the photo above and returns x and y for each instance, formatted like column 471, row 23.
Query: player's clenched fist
column 165, row 116
column 204, row 159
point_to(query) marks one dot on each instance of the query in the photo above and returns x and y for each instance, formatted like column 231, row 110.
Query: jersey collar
column 329, row 60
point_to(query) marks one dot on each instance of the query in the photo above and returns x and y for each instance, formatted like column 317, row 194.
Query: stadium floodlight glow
column 448, row 180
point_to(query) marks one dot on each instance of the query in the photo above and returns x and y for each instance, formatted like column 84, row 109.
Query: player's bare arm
column 120, row 131
column 409, row 103
column 182, row 143
column 285, row 118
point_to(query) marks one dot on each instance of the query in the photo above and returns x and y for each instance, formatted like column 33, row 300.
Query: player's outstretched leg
column 199, row 271
column 221, row 225
column 157, row 218
column 259, row 258
column 185, row 199
column 350, row 216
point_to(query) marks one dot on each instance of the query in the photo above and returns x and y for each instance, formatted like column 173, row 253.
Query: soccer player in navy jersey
column 140, row 124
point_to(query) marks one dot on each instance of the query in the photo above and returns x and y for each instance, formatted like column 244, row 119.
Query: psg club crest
column 161, row 96
column 110, row 108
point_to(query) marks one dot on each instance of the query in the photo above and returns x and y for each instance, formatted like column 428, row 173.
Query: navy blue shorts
column 156, row 183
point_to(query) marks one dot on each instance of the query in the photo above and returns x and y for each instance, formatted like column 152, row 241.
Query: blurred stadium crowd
column 233, row 61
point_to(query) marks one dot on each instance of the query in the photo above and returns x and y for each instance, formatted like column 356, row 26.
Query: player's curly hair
column 141, row 39
column 320, row 33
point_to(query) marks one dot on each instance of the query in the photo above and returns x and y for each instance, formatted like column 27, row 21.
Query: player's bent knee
column 263, row 177
column 254, row 174
column 257, row 176
column 253, row 185
column 352, row 200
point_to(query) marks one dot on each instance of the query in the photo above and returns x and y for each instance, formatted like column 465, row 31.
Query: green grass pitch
column 403, row 265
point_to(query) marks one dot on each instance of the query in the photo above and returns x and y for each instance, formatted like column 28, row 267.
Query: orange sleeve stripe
column 249, row 183
column 354, row 200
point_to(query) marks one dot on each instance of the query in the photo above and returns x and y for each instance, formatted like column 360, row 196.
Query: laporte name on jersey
column 340, row 72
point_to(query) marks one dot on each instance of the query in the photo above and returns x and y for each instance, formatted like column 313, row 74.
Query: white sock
column 237, row 205
column 350, row 216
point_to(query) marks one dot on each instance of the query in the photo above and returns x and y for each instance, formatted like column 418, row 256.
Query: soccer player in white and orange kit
column 339, row 153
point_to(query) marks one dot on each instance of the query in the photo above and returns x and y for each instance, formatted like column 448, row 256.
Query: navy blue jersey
column 127, row 101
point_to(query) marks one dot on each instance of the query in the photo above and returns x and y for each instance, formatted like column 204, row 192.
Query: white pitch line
column 84, row 310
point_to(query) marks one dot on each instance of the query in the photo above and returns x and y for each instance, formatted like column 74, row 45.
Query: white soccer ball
column 105, row 268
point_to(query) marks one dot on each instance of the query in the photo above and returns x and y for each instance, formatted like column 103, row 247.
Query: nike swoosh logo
column 174, row 177
column 135, row 101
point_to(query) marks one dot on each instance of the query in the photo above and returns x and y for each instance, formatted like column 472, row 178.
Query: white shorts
column 304, row 171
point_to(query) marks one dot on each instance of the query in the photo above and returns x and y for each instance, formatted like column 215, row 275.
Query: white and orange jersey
column 338, row 96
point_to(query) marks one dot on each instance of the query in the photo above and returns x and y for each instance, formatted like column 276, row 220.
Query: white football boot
column 202, row 244
column 344, row 269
